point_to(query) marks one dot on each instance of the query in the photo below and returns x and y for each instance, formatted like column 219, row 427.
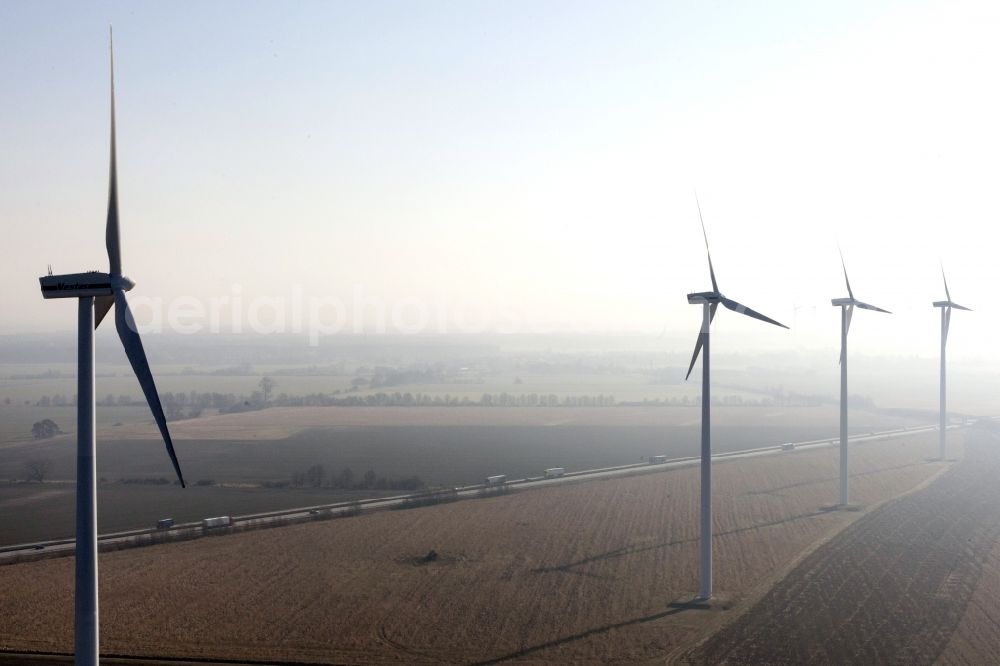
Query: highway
column 180, row 531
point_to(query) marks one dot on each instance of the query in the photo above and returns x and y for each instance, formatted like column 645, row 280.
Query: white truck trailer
column 219, row 521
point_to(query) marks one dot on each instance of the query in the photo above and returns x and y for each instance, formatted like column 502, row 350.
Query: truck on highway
column 164, row 523
column 657, row 460
column 554, row 472
column 788, row 446
column 495, row 480
column 219, row 521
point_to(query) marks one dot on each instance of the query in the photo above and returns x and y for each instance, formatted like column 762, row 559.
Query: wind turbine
column 709, row 300
column 847, row 306
column 97, row 293
column 946, row 307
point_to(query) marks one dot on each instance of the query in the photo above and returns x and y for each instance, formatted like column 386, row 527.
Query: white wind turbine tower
column 709, row 300
column 946, row 307
column 847, row 306
column 97, row 293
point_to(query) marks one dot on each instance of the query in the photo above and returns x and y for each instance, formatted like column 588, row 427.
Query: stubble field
column 582, row 572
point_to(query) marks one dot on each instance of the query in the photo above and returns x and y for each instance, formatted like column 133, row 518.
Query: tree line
column 407, row 399
column 318, row 477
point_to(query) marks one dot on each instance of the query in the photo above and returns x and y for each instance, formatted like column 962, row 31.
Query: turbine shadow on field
column 902, row 584
column 672, row 610
column 635, row 549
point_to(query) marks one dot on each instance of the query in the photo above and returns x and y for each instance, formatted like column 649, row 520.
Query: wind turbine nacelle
column 76, row 285
column 704, row 297
column 942, row 304
column 842, row 301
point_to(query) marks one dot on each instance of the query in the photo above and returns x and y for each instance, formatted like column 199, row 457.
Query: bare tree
column 36, row 469
column 267, row 385
column 370, row 478
column 315, row 476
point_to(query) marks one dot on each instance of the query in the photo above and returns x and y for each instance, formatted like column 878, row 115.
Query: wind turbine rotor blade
column 948, row 294
column 701, row 339
column 111, row 238
column 102, row 304
column 711, row 269
column 694, row 358
column 846, row 279
column 866, row 306
column 742, row 309
column 947, row 324
column 850, row 315
column 125, row 324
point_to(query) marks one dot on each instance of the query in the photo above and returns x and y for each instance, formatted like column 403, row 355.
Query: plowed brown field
column 893, row 588
column 976, row 639
column 583, row 572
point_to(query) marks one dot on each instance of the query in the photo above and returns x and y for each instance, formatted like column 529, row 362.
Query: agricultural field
column 21, row 382
column 40, row 512
column 16, row 420
column 632, row 369
column 976, row 639
column 588, row 572
column 911, row 582
column 442, row 446
column 283, row 422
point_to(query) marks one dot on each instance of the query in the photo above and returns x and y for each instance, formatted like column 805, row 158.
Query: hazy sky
column 513, row 165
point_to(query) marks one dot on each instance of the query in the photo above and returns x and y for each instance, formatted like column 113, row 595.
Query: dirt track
column 891, row 589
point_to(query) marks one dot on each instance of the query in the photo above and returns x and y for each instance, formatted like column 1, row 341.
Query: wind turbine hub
column 122, row 282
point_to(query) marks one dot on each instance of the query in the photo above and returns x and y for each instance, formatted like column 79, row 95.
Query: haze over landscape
column 414, row 286
column 533, row 162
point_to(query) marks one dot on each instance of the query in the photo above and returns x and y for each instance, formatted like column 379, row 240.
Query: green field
column 440, row 455
column 37, row 512
column 445, row 455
